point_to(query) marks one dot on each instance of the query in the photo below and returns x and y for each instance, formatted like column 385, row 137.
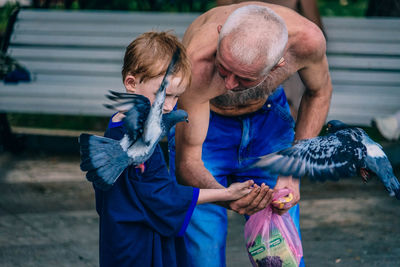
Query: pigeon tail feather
column 103, row 158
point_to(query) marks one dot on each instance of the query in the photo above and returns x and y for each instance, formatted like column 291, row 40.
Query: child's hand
column 238, row 190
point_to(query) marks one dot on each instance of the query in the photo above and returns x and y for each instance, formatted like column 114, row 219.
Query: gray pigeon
column 105, row 159
column 344, row 152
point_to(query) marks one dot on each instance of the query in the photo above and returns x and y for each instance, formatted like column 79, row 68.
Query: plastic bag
column 271, row 239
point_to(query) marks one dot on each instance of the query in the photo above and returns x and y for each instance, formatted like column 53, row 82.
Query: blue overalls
column 230, row 146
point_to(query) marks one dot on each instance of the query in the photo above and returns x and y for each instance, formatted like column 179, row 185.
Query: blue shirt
column 143, row 213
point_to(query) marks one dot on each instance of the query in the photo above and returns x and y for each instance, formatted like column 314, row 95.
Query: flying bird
column 104, row 159
column 344, row 152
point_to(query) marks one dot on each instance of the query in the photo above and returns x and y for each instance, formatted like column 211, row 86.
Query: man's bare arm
column 315, row 102
column 189, row 139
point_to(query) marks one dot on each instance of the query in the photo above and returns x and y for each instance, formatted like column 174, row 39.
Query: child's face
column 150, row 88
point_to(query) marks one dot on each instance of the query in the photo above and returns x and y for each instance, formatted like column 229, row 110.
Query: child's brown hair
column 148, row 57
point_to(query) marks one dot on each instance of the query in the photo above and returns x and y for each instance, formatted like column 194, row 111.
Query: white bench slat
column 94, row 29
column 361, row 23
column 365, row 77
column 372, row 63
column 362, row 101
column 379, row 36
column 356, row 48
column 365, row 115
column 65, row 106
column 55, row 99
column 63, row 54
column 68, row 79
column 107, row 16
column 368, row 89
column 92, row 69
column 74, row 41
column 43, row 90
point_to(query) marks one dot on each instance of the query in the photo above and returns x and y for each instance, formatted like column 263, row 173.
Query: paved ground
column 47, row 218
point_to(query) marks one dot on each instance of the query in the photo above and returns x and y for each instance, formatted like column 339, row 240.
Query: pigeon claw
column 364, row 174
column 141, row 167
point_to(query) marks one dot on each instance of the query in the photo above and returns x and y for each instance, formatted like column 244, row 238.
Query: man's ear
column 281, row 63
column 130, row 83
column 219, row 27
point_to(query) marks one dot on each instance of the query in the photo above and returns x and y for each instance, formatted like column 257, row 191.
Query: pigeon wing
column 320, row 158
column 136, row 109
column 152, row 128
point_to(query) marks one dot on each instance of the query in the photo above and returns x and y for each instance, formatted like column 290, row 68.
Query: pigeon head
column 335, row 125
column 172, row 118
column 178, row 116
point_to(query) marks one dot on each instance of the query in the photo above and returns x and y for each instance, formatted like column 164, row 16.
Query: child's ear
column 130, row 83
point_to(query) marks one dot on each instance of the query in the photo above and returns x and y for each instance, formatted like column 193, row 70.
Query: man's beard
column 241, row 96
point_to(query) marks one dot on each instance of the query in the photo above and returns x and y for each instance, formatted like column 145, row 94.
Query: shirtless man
column 238, row 110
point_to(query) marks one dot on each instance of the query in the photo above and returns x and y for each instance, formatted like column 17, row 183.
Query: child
column 143, row 212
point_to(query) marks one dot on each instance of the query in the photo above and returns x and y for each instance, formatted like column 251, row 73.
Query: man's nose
column 231, row 82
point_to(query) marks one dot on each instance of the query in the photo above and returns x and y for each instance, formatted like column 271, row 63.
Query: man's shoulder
column 201, row 41
column 307, row 45
column 201, row 45
column 307, row 42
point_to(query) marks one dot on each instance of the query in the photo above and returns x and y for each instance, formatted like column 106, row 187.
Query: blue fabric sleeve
column 189, row 213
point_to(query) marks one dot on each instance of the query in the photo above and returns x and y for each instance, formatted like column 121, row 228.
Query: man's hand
column 256, row 200
column 290, row 183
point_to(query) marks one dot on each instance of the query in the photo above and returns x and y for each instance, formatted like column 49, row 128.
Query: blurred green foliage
column 149, row 5
column 354, row 8
column 5, row 12
column 342, row 8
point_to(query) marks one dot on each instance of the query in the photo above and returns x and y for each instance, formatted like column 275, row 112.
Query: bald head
column 252, row 34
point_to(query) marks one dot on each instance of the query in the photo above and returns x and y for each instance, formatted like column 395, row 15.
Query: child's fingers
column 248, row 183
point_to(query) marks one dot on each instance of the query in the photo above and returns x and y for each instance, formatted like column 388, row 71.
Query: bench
column 75, row 57
column 364, row 62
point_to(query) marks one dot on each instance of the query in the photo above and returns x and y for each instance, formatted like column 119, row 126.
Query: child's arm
column 233, row 192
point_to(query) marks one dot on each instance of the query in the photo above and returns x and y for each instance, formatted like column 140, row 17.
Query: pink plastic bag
column 272, row 240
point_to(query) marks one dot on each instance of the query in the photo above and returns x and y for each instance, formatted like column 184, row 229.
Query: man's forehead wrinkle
column 255, row 68
column 225, row 60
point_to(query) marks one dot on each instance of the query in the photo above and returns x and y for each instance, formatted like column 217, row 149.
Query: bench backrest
column 76, row 56
column 364, row 63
